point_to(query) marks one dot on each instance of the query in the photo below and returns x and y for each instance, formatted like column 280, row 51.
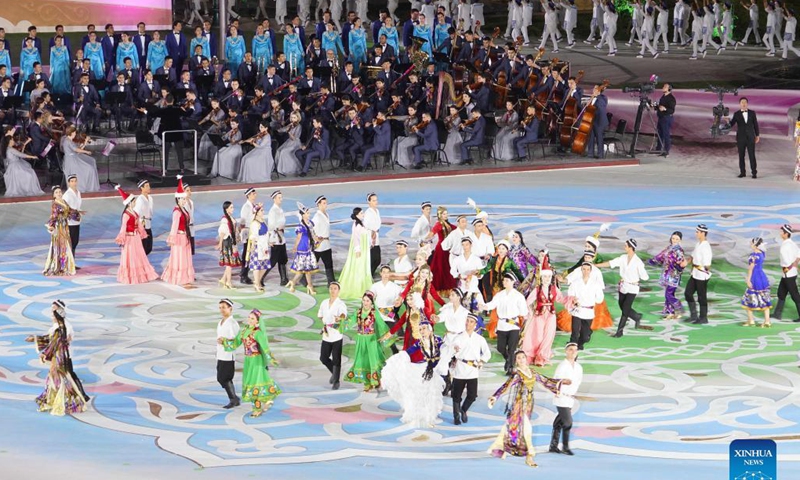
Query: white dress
column 288, row 164
column 21, row 180
column 84, row 166
column 226, row 161
column 421, row 400
column 504, row 141
column 258, row 163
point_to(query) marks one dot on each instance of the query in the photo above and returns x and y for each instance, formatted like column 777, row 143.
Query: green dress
column 257, row 386
column 356, row 276
column 369, row 359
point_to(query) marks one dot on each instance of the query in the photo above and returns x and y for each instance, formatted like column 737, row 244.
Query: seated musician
column 193, row 108
column 87, row 102
column 397, row 107
column 3, row 71
column 310, row 81
column 330, row 60
column 380, row 99
column 131, row 74
column 326, row 103
column 125, row 106
column 39, row 89
column 476, row 126
column 6, row 115
column 430, row 140
column 353, row 140
column 196, row 60
column 387, row 74
column 381, row 140
column 38, row 74
column 546, row 80
column 345, row 78
column 355, row 90
column 215, row 119
column 276, row 114
column 482, row 55
column 247, row 73
column 430, row 73
column 530, row 133
column 85, row 68
column 524, row 73
column 169, row 70
column 204, row 72
column 413, row 90
column 259, row 105
column 186, row 82
column 318, row 148
column 282, row 68
column 480, row 95
column 236, row 101
column 271, row 81
column 503, row 147
column 40, row 141
column 403, row 144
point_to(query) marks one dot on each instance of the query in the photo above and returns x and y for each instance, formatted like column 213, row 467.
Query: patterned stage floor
column 668, row 400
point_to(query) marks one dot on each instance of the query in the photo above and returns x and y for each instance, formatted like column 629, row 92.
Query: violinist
column 600, row 102
column 345, row 78
column 529, row 128
column 224, row 85
column 353, row 141
column 469, row 48
column 271, row 81
column 428, row 131
column 380, row 100
column 396, row 108
column 413, row 90
column 131, row 74
column 194, row 108
column 148, row 89
column 214, row 122
column 355, row 90
column 236, row 101
column 452, row 147
column 123, row 107
column 326, row 102
column 40, row 142
column 276, row 114
column 504, row 140
column 479, row 93
column 88, row 103
column 404, row 143
column 228, row 158
column 476, row 128
column 259, row 105
column 38, row 91
column 316, row 148
column 381, row 141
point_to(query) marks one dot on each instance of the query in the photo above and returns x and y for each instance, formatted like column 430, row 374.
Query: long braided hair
column 231, row 223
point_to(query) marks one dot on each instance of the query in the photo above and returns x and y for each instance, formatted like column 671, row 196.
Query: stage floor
column 667, row 402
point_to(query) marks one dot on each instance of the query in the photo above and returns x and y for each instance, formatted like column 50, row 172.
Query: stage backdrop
column 17, row 15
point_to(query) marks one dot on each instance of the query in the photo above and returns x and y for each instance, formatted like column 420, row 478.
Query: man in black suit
column 87, row 101
column 746, row 136
column 148, row 90
column 123, row 107
column 40, row 141
column 142, row 40
column 170, row 120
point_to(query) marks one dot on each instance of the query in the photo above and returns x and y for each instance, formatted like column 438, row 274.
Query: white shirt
column 452, row 243
column 510, row 304
column 385, row 294
column 745, row 115
column 73, row 199
column 372, row 222
column 586, row 295
column 322, row 229
column 791, row 26
column 596, row 276
column 789, row 254
column 455, row 321
column 330, row 314
column 754, row 12
column 276, row 221
column 421, row 229
column 484, row 247
column 227, row 328
column 144, row 208
column 404, row 266
column 567, row 370
column 246, row 217
column 701, row 257
column 631, row 272
column 471, row 347
column 461, row 266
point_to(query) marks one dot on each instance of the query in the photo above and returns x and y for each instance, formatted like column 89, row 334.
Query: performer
column 666, row 110
column 746, row 136
column 59, row 257
column 368, row 359
column 671, row 259
column 332, row 312
column 257, row 252
column 587, row 293
column 504, row 140
column 466, row 266
column 757, row 296
column 789, row 258
column 72, row 197
column 228, row 238
column 144, row 209
column 246, row 216
column 386, row 292
column 180, row 270
column 420, row 281
column 257, row 385
column 602, row 317
column 526, row 262
column 511, row 310
column 276, row 220
column 454, row 317
column 322, row 233
column 356, row 275
column 78, row 160
column 470, row 351
column 134, row 267
column 226, row 360
column 304, row 262
column 631, row 272
column 258, row 163
column 227, row 161
column 540, row 324
column 401, row 266
column 571, row 374
column 440, row 264
column 372, row 222
column 493, row 275
column 700, row 259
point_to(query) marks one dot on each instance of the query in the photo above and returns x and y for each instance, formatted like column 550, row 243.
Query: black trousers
column 748, row 145
column 225, row 370
column 699, row 286
column 625, row 302
column 74, row 237
column 563, row 420
column 245, row 270
column 458, row 391
column 581, row 331
column 330, row 354
column 507, row 343
column 177, row 144
column 147, row 243
column 787, row 286
column 326, row 258
column 374, row 258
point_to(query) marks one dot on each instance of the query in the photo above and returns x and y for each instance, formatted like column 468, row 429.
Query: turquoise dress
column 59, row 70
column 94, row 52
column 5, row 59
column 423, row 31
column 358, row 48
column 391, row 38
column 758, row 297
column 441, row 35
column 156, row 53
column 262, row 51
column 332, row 41
column 27, row 58
column 127, row 50
column 234, row 52
column 203, row 42
column 293, row 49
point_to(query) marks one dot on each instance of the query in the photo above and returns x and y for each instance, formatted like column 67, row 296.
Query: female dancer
column 356, row 275
column 257, row 385
column 228, row 253
column 228, row 158
column 369, row 359
column 286, row 160
column 78, row 160
column 258, row 163
column 60, row 77
column 671, row 259
column 440, row 263
column 522, row 256
column 180, row 270
column 757, row 296
column 258, row 248
column 156, row 53
column 515, row 436
column 492, row 282
column 403, row 144
column 357, row 45
column 134, row 267
column 62, row 393
column 452, row 147
column 20, row 178
column 59, row 258
column 504, row 141
column 304, row 263
column 421, row 284
column 540, row 324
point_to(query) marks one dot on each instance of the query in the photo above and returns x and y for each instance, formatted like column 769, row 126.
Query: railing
column 164, row 149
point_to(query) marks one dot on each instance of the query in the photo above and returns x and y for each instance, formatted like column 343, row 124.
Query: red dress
column 440, row 265
column 429, row 295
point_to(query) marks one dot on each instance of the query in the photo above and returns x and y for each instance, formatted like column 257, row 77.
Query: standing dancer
column 421, row 284
column 276, row 221
column 332, row 312
column 228, row 238
column 372, row 222
column 180, row 270
column 246, row 217
column 440, row 263
column 422, row 227
column 356, row 276
column 789, row 258
column 226, row 360
column 596, row 25
column 368, row 359
column 72, row 197
column 304, row 262
column 134, row 267
column 190, row 210
column 540, row 325
column 401, row 266
column 671, row 259
column 757, row 296
column 494, row 278
column 571, row 372
column 454, row 316
column 258, row 249
column 511, row 309
column 386, row 292
column 587, row 293
column 522, row 258
column 257, row 385
column 700, row 259
column 631, row 273
column 59, row 257
column 466, row 267
column 516, row 435
column 470, row 351
column 322, row 232
column 752, row 27
column 144, row 208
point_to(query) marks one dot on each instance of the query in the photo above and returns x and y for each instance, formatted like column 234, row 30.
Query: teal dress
column 358, row 48
column 262, row 51
column 441, row 35
column 59, row 70
column 391, row 38
column 369, row 358
column 423, row 31
column 27, row 58
column 203, row 42
column 234, row 52
column 156, row 53
column 94, row 52
column 293, row 49
column 332, row 41
column 5, row 59
column 127, row 50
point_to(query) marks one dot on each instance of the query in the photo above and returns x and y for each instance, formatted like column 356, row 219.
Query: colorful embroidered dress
column 59, row 258
column 670, row 258
column 304, row 260
column 61, row 393
column 757, row 297
column 368, row 359
column 257, row 385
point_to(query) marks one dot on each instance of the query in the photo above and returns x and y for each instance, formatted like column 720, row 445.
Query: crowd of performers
column 476, row 284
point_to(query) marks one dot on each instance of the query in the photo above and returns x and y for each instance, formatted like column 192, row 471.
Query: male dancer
column 276, row 222
column 471, row 351
column 511, row 311
column 631, row 273
column 454, row 241
column 790, row 256
column 246, row 215
column 466, row 266
column 454, row 316
column 73, row 198
column 386, row 292
column 587, row 292
column 322, row 230
column 332, row 312
column 226, row 361
column 144, row 208
column 372, row 222
column 422, row 227
column 568, row 369
column 701, row 263
column 401, row 266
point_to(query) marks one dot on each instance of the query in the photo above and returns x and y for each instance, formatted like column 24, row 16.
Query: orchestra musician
column 223, row 86
column 429, row 133
column 353, row 141
column 169, row 70
column 530, row 133
column 387, row 74
column 124, row 107
column 476, row 127
column 148, row 90
column 310, row 81
column 452, row 147
column 600, row 101
column 479, row 93
column 196, row 60
column 87, row 102
column 132, row 77
column 271, row 81
column 318, row 148
column 84, row 68
column 186, row 82
column 247, row 73
column 504, row 140
column 381, row 141
column 40, row 142
column 345, row 77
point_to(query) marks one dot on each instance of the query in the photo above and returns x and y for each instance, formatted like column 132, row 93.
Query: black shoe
column 617, row 335
column 418, row 166
column 700, row 321
column 359, row 168
column 464, row 417
column 567, row 451
column 245, row 280
column 467, row 162
column 77, row 268
column 755, row 176
column 554, row 450
column 303, row 174
column 742, row 175
column 796, row 320
column 335, row 385
column 456, row 414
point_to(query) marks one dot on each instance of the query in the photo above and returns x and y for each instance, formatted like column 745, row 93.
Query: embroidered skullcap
column 249, row 191
column 425, row 323
column 590, row 252
column 71, row 176
column 505, row 244
column 227, row 301
column 702, row 228
column 466, row 239
column 460, row 217
column 758, row 242
column 510, row 276
column 594, row 241
column 458, row 292
column 472, row 316
column 142, row 183
column 787, row 229
column 55, row 187
column 401, row 243
column 370, row 195
column 319, row 199
column 275, row 194
column 631, row 242
column 570, row 344
column 426, row 204
column 370, row 294
column 386, row 266
column 477, row 221
column 256, row 312
column 335, row 283
column 59, row 304
column 586, row 264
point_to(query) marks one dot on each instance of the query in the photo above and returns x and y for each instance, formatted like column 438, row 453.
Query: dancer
column 423, row 285
column 484, row 246
column 180, row 270
column 789, row 257
column 78, row 160
column 602, row 317
column 671, row 259
column 466, row 267
column 571, row 372
column 144, row 208
column 368, row 359
column 440, row 263
column 511, row 309
column 631, row 273
column 257, row 385
column 454, row 317
column 757, row 296
column 540, row 324
column 257, row 256
column 59, row 257
column 276, row 220
column 356, row 274
column 134, row 267
column 493, row 274
column 332, row 312
column 526, row 262
column 72, row 197
column 226, row 360
column 304, row 262
column 228, row 238
column 401, row 266
column 422, row 227
column 700, row 259
column 516, row 435
column 322, row 234
column 587, row 293
column 386, row 292
column 372, row 222
column 246, row 217
column 470, row 351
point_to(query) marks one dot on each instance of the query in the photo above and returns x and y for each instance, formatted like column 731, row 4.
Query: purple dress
column 670, row 258
column 758, row 297
column 522, row 257
column 304, row 259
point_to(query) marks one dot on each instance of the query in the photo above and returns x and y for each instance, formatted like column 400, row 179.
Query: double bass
column 532, row 78
column 585, row 127
column 570, row 114
column 541, row 98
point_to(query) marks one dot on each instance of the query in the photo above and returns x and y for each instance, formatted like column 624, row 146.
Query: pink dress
column 180, row 270
column 540, row 326
column 134, row 267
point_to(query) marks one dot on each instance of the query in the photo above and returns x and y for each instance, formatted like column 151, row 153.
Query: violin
column 469, row 122
column 420, row 126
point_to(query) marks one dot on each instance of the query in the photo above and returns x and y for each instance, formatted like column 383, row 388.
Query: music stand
column 217, row 140
column 179, row 95
column 401, row 67
column 107, row 153
column 205, row 83
column 323, row 72
column 116, row 98
column 163, row 80
column 12, row 103
column 441, row 57
column 98, row 83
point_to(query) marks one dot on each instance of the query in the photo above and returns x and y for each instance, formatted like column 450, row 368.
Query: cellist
column 599, row 124
column 569, row 111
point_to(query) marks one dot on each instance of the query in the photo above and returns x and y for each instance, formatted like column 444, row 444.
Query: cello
column 541, row 98
column 585, row 127
column 570, row 115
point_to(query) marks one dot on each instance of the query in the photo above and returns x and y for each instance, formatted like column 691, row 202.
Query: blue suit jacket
column 110, row 51
column 408, row 32
column 478, row 130
column 430, row 136
column 578, row 96
column 322, row 146
column 212, row 42
column 481, row 98
column 142, row 49
column 177, row 52
column 532, row 130
column 383, row 136
column 600, row 118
